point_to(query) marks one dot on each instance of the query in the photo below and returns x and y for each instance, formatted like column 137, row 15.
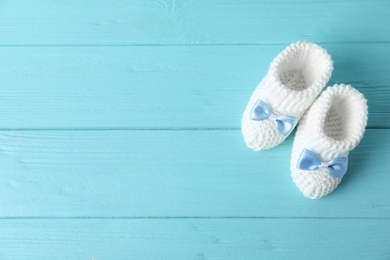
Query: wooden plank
column 135, row 22
column 176, row 173
column 160, row 86
column 195, row 239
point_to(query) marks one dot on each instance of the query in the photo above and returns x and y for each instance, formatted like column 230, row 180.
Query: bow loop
column 260, row 111
column 338, row 166
column 309, row 161
column 284, row 124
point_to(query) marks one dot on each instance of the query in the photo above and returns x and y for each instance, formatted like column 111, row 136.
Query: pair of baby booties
column 329, row 126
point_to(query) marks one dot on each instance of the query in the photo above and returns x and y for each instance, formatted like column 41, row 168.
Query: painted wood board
column 161, row 87
column 138, row 22
column 195, row 239
column 176, row 173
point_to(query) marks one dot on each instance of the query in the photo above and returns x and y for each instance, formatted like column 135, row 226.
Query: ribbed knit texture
column 332, row 127
column 295, row 78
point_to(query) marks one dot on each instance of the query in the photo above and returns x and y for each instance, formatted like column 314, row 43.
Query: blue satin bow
column 310, row 161
column 262, row 111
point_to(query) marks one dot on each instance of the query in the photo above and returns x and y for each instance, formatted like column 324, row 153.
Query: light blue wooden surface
column 120, row 139
column 117, row 87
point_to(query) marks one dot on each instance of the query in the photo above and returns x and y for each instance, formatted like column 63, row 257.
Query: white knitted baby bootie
column 295, row 78
column 332, row 127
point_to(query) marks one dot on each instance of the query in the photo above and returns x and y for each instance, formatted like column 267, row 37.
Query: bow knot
column 262, row 111
column 310, row 161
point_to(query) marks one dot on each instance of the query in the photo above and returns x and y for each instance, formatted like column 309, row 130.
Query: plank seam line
column 145, row 129
column 185, row 45
column 184, row 217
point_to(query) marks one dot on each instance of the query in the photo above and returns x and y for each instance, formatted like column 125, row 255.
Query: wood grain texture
column 136, row 22
column 176, row 173
column 195, row 239
column 162, row 87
